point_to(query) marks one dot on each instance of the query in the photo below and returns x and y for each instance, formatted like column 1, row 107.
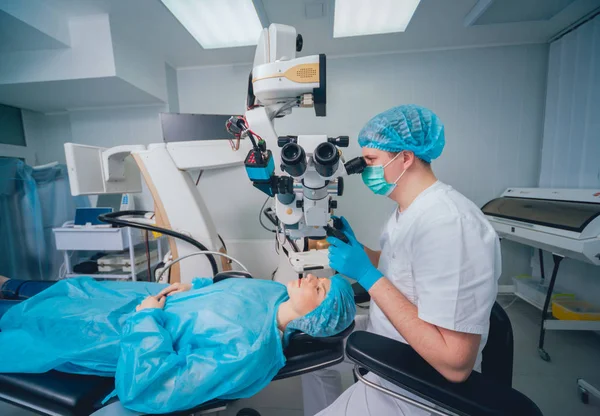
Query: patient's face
column 308, row 293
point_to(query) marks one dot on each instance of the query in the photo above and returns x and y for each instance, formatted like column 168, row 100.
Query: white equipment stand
column 164, row 166
column 69, row 239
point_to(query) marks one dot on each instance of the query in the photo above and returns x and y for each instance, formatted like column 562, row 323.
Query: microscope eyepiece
column 326, row 158
column 356, row 165
column 293, row 159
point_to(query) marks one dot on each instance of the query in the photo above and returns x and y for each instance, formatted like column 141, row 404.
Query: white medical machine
column 565, row 222
column 312, row 165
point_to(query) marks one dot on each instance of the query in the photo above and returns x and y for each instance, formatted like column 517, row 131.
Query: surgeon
column 169, row 348
column 434, row 281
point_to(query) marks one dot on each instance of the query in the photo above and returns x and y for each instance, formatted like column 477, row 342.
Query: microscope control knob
column 340, row 190
column 299, row 43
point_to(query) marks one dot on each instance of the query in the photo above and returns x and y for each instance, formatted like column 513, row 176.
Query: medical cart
column 104, row 239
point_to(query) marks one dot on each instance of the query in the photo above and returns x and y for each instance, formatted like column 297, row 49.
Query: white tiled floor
column 551, row 385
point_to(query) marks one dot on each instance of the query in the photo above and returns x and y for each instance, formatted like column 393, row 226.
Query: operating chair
column 482, row 394
column 488, row 393
column 60, row 394
column 485, row 393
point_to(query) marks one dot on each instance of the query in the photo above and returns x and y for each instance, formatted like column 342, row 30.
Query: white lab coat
column 444, row 256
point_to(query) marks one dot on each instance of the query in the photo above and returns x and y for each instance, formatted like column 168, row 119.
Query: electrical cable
column 260, row 215
column 277, row 233
column 271, row 217
column 199, row 176
column 205, row 252
column 235, row 146
column 260, row 139
column 148, row 256
column 62, row 271
column 113, row 218
column 243, row 126
column 290, row 104
column 251, row 137
column 291, row 242
column 224, row 246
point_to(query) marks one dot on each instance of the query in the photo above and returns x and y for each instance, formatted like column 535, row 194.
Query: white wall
column 571, row 146
column 117, row 126
column 172, row 92
column 491, row 101
column 39, row 25
column 90, row 56
column 140, row 68
column 46, row 135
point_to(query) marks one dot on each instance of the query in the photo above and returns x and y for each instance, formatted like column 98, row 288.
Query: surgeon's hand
column 152, row 302
column 352, row 260
column 346, row 229
column 175, row 288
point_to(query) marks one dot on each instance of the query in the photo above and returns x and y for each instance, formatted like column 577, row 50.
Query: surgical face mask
column 374, row 178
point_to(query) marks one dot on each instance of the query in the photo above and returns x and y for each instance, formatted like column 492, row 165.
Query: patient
column 183, row 345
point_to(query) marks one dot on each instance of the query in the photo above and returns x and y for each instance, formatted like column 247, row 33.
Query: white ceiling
column 436, row 24
column 506, row 11
column 16, row 35
column 51, row 96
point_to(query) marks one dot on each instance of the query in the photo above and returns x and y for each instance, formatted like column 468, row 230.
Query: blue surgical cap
column 331, row 317
column 407, row 127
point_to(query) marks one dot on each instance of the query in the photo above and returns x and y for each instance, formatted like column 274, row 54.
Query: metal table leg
column 542, row 264
column 132, row 255
column 68, row 266
column 543, row 354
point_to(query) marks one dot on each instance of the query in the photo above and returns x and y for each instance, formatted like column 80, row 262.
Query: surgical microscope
column 312, row 166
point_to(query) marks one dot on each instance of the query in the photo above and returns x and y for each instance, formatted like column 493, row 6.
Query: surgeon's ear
column 408, row 158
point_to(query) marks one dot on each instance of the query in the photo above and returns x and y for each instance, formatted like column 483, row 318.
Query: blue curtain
column 32, row 203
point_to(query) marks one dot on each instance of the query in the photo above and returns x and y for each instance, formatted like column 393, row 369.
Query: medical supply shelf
column 533, row 290
column 549, row 323
column 69, row 239
column 526, row 288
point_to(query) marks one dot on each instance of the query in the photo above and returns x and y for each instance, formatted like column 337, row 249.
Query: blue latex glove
column 352, row 260
column 346, row 229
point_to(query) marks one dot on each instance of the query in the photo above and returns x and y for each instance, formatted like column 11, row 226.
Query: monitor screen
column 189, row 127
column 84, row 216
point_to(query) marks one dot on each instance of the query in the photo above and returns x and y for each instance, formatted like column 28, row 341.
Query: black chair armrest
column 55, row 393
column 399, row 364
column 360, row 293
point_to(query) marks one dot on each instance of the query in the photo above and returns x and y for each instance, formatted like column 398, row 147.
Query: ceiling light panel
column 218, row 23
column 372, row 17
